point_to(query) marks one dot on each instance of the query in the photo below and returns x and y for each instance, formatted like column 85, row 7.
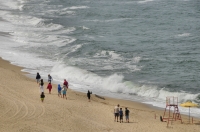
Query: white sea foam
column 27, row 60
column 26, row 29
column 67, row 12
column 77, row 7
column 110, row 54
column 112, row 83
column 29, row 22
column 145, row 1
column 110, row 20
column 115, row 58
column 115, row 84
column 183, row 35
column 136, row 59
column 12, row 4
column 75, row 48
column 85, row 28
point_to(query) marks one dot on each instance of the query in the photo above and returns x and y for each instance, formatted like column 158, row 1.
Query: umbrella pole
column 189, row 114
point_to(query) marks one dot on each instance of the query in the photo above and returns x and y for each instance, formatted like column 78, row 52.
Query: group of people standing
column 61, row 90
column 118, row 113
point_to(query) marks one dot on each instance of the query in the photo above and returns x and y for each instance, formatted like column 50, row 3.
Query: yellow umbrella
column 188, row 104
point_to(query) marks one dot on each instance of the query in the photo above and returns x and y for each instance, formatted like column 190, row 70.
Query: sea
column 138, row 50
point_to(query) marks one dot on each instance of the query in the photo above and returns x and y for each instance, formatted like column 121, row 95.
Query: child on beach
column 59, row 91
column 49, row 87
column 121, row 115
column 127, row 114
column 64, row 91
column 41, row 86
column 38, row 77
column 42, row 96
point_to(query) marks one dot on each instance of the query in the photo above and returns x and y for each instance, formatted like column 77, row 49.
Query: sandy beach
column 21, row 110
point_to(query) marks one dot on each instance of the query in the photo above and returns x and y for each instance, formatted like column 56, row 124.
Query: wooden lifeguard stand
column 171, row 112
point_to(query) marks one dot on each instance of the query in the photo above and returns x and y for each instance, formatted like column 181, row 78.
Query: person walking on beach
column 49, row 78
column 127, row 114
column 65, row 83
column 59, row 91
column 88, row 95
column 38, row 77
column 64, row 91
column 49, row 87
column 41, row 86
column 42, row 96
column 116, row 112
column 121, row 114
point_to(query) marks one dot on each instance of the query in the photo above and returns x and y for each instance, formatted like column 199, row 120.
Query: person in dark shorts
column 116, row 112
column 121, row 114
column 42, row 96
column 50, row 78
column 38, row 77
column 88, row 95
column 127, row 114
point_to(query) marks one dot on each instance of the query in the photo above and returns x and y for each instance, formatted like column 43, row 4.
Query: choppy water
column 131, row 49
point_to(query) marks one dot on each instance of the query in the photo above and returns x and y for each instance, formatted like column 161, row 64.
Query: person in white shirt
column 116, row 112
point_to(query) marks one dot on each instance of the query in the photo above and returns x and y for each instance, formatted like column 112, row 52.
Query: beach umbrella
column 188, row 104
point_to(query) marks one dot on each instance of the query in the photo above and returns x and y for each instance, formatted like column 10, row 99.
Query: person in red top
column 49, row 87
column 65, row 83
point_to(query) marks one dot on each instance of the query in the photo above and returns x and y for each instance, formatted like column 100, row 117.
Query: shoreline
column 22, row 109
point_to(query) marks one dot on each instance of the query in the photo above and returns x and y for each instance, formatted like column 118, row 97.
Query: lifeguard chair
column 173, row 113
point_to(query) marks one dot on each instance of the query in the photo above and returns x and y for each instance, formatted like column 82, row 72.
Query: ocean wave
column 110, row 20
column 145, row 1
column 9, row 4
column 77, row 7
column 183, row 35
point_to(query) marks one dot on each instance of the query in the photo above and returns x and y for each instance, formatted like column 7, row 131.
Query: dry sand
column 21, row 110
